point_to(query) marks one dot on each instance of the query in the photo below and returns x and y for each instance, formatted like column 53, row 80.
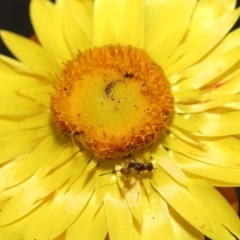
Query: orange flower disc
column 112, row 100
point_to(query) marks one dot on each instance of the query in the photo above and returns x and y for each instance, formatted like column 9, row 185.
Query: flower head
column 145, row 90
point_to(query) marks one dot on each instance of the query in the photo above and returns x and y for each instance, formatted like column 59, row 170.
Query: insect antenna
column 110, row 172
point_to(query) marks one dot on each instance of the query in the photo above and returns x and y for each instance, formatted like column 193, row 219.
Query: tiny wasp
column 138, row 166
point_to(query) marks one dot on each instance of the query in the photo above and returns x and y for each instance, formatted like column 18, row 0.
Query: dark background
column 14, row 16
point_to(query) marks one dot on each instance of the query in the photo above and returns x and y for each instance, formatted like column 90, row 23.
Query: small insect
column 137, row 166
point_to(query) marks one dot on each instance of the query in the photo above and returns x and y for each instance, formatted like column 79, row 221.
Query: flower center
column 112, row 100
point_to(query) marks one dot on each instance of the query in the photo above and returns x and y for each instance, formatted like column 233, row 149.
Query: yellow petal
column 221, row 122
column 217, row 151
column 174, row 143
column 215, row 205
column 132, row 27
column 181, row 200
column 182, row 229
column 166, row 45
column 6, row 194
column 36, row 121
column 156, row 218
column 186, row 95
column 104, row 182
column 43, row 183
column 18, row 106
column 16, row 230
column 66, row 173
column 40, row 185
column 222, row 151
column 206, row 71
column 15, row 82
column 64, row 151
column 186, row 136
column 8, row 127
column 10, row 65
column 53, row 179
column 57, row 215
column 188, row 207
column 228, row 85
column 18, row 206
column 201, row 107
column 201, row 41
column 29, row 139
column 136, row 231
column 22, row 168
column 161, row 156
column 107, row 24
column 147, row 186
column 75, row 37
column 133, row 195
column 91, row 165
column 35, row 57
column 40, row 12
column 123, row 23
column 183, row 123
column 118, row 215
column 40, row 94
column 91, row 224
column 234, row 105
column 81, row 12
column 166, row 23
column 208, row 11
column 225, row 176
column 229, row 42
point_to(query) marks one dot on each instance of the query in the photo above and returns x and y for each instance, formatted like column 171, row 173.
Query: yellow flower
column 52, row 190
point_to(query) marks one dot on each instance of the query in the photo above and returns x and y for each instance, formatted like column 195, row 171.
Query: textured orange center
column 112, row 100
